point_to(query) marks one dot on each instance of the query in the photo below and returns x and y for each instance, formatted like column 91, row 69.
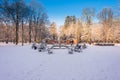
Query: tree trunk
column 80, row 40
column 90, row 41
column 17, row 24
column 7, row 33
column 30, row 24
column 89, row 33
column 35, row 32
column 106, row 34
column 22, row 34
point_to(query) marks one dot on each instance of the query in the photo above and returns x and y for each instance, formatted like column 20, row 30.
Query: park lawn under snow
column 94, row 63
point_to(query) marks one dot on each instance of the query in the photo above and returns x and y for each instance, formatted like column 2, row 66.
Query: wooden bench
column 105, row 44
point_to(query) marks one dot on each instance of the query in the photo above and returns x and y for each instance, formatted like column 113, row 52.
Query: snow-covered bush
column 70, row 51
column 50, row 51
column 84, row 46
column 77, row 48
column 34, row 46
column 42, row 46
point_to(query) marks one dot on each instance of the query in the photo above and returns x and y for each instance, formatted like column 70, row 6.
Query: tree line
column 21, row 21
column 104, row 28
column 28, row 22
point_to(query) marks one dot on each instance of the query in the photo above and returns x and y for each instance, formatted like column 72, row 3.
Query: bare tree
column 30, row 28
column 26, row 12
column 69, row 20
column 14, row 11
column 53, row 31
column 79, row 31
column 106, row 17
column 118, row 10
column 39, row 20
column 87, row 15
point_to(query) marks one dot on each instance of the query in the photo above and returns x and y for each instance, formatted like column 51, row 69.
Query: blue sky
column 57, row 10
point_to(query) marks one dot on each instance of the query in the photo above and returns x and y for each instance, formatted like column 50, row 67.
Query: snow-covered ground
column 94, row 63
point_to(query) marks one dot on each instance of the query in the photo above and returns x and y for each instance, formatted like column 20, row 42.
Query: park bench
column 104, row 44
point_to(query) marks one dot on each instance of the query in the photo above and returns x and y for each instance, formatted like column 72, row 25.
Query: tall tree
column 26, row 13
column 87, row 16
column 118, row 9
column 39, row 19
column 79, row 31
column 105, row 16
column 69, row 20
column 53, row 31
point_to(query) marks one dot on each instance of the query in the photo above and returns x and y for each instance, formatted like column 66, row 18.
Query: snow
column 93, row 63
